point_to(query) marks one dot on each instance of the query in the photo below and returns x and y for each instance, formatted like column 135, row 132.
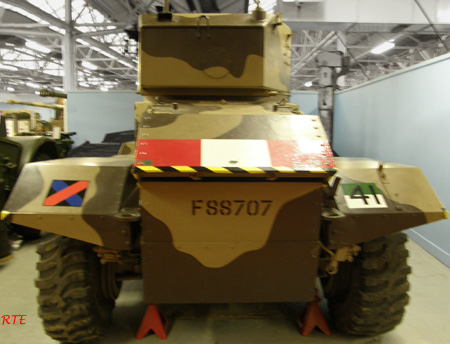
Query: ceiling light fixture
column 383, row 47
column 308, row 84
column 33, row 85
column 10, row 89
column 38, row 47
column 89, row 65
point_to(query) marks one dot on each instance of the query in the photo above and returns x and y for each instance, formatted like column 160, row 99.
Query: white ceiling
column 99, row 29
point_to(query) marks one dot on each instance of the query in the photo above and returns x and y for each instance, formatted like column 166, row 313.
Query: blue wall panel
column 307, row 102
column 405, row 118
column 92, row 114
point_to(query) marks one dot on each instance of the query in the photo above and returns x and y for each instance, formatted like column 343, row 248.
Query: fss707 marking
column 231, row 207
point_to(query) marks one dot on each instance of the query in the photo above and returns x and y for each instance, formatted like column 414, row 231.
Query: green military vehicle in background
column 15, row 152
column 43, row 127
column 232, row 194
column 26, row 143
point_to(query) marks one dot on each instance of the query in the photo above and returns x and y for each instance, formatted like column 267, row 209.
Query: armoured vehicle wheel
column 368, row 296
column 71, row 302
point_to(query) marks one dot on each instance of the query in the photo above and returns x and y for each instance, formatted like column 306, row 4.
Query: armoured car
column 232, row 195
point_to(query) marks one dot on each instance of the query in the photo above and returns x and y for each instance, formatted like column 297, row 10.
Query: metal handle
column 199, row 21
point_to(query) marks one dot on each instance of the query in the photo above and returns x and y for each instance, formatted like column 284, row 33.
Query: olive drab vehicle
column 23, row 144
column 232, row 195
column 54, row 129
column 15, row 152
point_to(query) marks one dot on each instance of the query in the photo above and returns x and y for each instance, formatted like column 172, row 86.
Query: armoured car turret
column 232, row 194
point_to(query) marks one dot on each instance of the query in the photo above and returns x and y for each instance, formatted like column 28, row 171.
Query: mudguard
column 375, row 199
column 89, row 199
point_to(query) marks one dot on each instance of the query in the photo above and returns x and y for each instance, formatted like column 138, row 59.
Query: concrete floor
column 427, row 319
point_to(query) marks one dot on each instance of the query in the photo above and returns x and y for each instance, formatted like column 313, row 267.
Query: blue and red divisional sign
column 69, row 193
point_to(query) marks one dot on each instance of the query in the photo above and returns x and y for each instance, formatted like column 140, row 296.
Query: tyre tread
column 69, row 305
column 378, row 293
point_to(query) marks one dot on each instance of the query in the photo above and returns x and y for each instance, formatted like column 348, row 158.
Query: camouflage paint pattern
column 79, row 212
column 221, row 225
column 247, row 143
column 219, row 229
column 247, row 221
column 275, row 105
column 232, row 137
column 228, row 233
column 384, row 198
column 213, row 54
column 230, row 242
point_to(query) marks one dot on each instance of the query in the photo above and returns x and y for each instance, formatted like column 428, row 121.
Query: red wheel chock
column 311, row 316
column 154, row 321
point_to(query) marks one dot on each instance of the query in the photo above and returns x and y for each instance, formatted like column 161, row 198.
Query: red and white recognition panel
column 295, row 155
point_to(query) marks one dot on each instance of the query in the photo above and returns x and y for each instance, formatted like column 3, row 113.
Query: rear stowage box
column 254, row 241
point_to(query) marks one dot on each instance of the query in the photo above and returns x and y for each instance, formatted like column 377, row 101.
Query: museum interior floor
column 426, row 321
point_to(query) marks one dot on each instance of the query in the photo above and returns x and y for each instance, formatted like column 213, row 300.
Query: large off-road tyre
column 71, row 303
column 368, row 296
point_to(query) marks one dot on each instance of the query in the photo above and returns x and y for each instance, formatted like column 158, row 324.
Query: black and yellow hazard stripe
column 228, row 170
column 4, row 214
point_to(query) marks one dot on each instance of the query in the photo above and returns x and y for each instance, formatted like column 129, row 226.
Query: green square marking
column 365, row 187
